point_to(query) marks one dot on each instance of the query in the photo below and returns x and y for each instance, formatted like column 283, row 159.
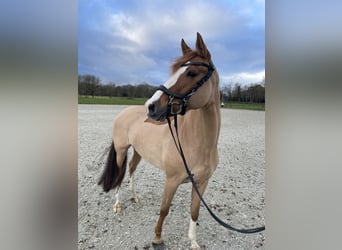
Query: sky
column 134, row 41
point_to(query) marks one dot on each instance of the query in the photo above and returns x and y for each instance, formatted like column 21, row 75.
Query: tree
column 88, row 84
column 236, row 93
column 227, row 92
column 252, row 93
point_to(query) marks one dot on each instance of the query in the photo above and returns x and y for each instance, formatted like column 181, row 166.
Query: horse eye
column 191, row 74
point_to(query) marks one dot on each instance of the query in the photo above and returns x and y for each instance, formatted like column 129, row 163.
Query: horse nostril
column 151, row 108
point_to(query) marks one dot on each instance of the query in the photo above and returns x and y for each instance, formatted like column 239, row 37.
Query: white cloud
column 127, row 27
column 152, row 27
column 243, row 77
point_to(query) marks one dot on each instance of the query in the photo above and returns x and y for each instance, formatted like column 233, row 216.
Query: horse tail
column 113, row 174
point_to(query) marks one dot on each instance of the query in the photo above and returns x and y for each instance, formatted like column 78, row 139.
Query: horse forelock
column 183, row 59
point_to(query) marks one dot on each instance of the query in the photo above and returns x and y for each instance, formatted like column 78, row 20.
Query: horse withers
column 193, row 92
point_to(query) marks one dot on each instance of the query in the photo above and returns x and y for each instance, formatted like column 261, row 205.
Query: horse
column 193, row 92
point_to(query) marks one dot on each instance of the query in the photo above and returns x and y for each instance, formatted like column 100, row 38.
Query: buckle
column 176, row 108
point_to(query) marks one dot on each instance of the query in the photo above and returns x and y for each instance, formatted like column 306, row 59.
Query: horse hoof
column 157, row 242
column 158, row 245
column 135, row 200
column 195, row 246
column 117, row 208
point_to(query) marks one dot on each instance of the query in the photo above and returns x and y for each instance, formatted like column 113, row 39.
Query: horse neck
column 202, row 126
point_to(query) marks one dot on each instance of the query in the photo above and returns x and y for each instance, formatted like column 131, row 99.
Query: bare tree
column 227, row 92
column 88, row 84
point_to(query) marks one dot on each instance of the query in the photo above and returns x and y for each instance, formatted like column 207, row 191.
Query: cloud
column 151, row 27
column 135, row 41
column 243, row 78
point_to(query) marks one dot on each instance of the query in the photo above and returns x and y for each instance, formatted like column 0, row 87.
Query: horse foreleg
column 169, row 191
column 132, row 167
column 195, row 206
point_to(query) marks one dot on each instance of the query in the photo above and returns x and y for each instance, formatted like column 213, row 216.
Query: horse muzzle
column 156, row 111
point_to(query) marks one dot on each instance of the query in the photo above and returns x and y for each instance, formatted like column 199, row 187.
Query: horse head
column 192, row 85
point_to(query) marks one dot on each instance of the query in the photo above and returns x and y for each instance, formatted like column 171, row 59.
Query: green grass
column 141, row 101
column 111, row 100
column 249, row 106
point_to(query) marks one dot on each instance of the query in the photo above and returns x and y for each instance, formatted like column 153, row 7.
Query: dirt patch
column 235, row 191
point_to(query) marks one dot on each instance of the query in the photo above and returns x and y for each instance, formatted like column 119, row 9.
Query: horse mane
column 183, row 59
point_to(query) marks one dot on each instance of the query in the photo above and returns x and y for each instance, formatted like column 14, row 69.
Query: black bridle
column 179, row 107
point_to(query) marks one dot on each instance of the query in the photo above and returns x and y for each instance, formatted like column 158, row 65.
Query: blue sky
column 132, row 41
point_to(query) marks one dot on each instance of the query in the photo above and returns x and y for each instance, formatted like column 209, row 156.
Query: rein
column 191, row 177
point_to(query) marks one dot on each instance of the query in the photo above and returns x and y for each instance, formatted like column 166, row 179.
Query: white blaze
column 168, row 84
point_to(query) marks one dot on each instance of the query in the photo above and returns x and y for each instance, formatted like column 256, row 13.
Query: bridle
column 179, row 107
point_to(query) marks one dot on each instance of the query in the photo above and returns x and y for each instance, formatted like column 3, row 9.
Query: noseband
column 174, row 107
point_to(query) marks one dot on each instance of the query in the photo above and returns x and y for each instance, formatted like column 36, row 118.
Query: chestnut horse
column 192, row 92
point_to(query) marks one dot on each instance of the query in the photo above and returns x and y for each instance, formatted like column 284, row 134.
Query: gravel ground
column 235, row 192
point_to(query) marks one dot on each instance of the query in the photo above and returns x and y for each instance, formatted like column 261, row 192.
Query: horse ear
column 185, row 48
column 201, row 48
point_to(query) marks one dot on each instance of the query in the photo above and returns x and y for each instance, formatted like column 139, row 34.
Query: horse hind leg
column 114, row 172
column 121, row 161
column 117, row 205
column 132, row 167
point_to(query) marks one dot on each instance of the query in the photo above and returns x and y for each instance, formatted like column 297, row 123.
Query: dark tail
column 112, row 175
